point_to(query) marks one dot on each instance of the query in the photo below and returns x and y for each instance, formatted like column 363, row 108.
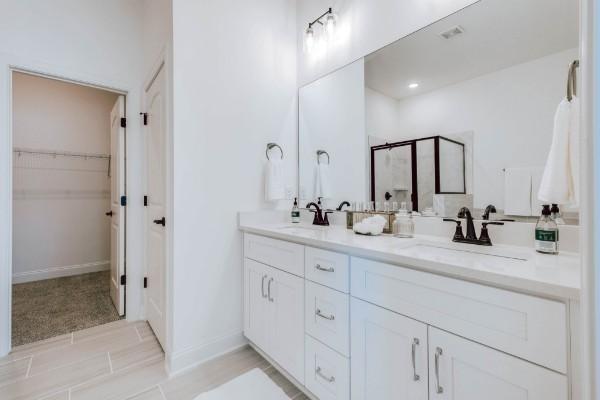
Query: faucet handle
column 484, row 238
column 458, row 234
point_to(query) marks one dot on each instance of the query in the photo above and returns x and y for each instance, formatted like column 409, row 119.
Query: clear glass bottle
column 546, row 233
column 556, row 215
column 404, row 226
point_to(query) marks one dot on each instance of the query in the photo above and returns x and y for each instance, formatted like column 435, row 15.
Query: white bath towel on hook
column 560, row 182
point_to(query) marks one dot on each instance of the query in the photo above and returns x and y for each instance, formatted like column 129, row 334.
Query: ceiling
column 497, row 34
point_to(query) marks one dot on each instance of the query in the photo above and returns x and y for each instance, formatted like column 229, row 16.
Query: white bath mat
column 253, row 385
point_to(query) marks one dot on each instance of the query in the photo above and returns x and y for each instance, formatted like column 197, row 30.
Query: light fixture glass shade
column 309, row 39
column 330, row 22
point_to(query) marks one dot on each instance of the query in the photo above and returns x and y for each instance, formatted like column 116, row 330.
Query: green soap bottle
column 546, row 233
column 295, row 212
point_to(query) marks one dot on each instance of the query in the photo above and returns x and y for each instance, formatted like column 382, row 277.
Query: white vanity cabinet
column 389, row 355
column 274, row 314
column 463, row 370
column 349, row 327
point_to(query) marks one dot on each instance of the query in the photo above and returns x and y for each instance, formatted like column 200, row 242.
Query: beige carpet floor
column 53, row 307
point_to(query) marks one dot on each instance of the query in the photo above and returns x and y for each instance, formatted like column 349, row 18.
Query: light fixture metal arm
column 318, row 20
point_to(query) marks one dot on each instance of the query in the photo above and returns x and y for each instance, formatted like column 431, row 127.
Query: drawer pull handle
column 415, row 343
column 329, row 379
column 269, row 290
column 324, row 269
column 262, row 286
column 438, row 353
column 327, row 317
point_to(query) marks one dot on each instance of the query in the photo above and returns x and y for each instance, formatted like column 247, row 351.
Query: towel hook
column 572, row 80
column 320, row 153
column 271, row 146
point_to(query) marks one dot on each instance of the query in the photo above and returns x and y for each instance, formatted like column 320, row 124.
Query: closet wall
column 59, row 225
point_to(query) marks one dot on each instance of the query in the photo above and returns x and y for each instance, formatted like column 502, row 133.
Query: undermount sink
column 474, row 249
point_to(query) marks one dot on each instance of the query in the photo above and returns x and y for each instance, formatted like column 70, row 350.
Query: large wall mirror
column 439, row 118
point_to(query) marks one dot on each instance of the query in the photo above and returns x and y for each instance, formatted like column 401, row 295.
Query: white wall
column 234, row 91
column 95, row 41
column 59, row 225
column 517, row 120
column 363, row 27
column 332, row 118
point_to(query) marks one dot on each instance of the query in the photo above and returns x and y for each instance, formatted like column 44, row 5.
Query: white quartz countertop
column 519, row 268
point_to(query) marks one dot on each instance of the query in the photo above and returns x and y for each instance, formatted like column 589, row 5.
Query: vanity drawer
column 286, row 256
column 327, row 316
column 327, row 373
column 529, row 327
column 327, row 268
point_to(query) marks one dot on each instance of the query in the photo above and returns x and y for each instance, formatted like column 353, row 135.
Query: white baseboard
column 180, row 361
column 57, row 272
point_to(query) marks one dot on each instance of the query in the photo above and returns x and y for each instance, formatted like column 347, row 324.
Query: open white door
column 117, row 211
column 156, row 134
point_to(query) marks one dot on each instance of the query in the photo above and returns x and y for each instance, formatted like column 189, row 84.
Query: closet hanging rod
column 20, row 151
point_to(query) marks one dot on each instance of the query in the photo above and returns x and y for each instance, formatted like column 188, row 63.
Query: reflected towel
column 322, row 181
column 560, row 182
column 274, row 180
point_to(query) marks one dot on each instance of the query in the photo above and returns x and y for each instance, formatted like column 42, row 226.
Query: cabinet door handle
column 329, row 379
column 328, row 317
column 324, row 269
column 269, row 290
column 262, row 287
column 415, row 343
column 438, row 353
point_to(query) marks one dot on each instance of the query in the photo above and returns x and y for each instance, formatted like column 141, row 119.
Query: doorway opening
column 68, row 207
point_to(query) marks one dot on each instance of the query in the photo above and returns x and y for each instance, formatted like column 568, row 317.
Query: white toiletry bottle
column 295, row 212
column 546, row 233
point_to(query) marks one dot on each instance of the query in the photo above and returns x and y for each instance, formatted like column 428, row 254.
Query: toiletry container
column 546, row 233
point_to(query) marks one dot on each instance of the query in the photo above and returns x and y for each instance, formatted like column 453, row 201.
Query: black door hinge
column 145, row 283
column 145, row 118
column 123, row 122
column 123, row 280
column 145, row 201
column 123, row 201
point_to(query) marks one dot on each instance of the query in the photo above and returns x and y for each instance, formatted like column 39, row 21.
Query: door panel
column 156, row 252
column 256, row 303
column 287, row 324
column 470, row 371
column 117, row 229
column 381, row 354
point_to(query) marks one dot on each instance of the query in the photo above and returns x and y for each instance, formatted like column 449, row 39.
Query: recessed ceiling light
column 413, row 85
column 450, row 33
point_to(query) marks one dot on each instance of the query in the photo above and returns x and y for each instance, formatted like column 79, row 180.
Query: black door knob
column 160, row 221
column 109, row 214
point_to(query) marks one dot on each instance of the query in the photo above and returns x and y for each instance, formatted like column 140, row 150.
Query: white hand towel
column 560, row 182
column 322, row 181
column 517, row 191
column 274, row 180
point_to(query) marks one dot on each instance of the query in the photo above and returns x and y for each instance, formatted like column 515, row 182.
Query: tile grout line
column 29, row 367
column 138, row 333
column 161, row 392
column 109, row 362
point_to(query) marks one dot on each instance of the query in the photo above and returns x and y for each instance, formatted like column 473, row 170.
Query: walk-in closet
column 63, row 173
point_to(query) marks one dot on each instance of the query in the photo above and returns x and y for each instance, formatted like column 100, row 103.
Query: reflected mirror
column 445, row 117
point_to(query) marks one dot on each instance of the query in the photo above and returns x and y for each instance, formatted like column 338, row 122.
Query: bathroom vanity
column 355, row 317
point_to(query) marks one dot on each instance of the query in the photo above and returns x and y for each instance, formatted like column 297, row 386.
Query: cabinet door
column 464, row 370
column 256, row 303
column 286, row 299
column 388, row 354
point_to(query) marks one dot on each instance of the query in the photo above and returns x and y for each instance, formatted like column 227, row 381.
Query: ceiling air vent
column 452, row 32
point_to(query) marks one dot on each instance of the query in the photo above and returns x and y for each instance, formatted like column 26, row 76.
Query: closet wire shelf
column 52, row 153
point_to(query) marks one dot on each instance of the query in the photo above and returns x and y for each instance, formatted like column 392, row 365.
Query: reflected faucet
column 489, row 209
column 342, row 204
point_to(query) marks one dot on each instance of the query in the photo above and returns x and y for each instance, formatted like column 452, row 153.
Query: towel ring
column 572, row 80
column 271, row 146
column 320, row 153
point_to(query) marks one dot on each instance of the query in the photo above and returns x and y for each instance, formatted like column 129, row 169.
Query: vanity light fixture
column 413, row 85
column 328, row 21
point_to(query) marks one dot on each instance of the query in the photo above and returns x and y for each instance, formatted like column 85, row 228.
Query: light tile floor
column 117, row 361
